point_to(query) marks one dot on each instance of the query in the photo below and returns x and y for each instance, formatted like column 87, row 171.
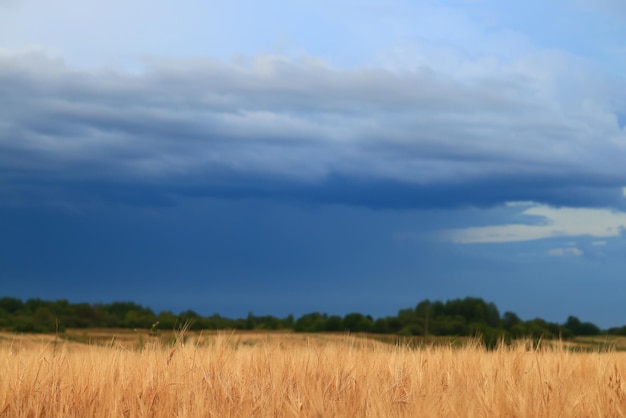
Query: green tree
column 381, row 326
column 356, row 322
column 576, row 327
column 33, row 304
column 334, row 323
column 312, row 322
column 46, row 321
column 80, row 315
column 143, row 318
column 11, row 305
column 167, row 320
column 510, row 320
column 270, row 322
column 492, row 315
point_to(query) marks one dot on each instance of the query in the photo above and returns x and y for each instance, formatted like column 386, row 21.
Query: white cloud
column 598, row 243
column 482, row 114
column 554, row 222
column 520, row 204
column 562, row 252
column 419, row 126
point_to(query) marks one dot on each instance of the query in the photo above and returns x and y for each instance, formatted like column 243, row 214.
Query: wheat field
column 289, row 375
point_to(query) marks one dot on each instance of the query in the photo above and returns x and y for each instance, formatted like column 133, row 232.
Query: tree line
column 456, row 317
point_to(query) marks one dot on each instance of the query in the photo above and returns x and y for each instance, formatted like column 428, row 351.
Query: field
column 126, row 374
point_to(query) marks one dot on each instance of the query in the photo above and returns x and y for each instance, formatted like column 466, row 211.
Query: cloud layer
column 278, row 127
column 548, row 222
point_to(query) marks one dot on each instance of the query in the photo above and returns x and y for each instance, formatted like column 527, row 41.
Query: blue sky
column 306, row 156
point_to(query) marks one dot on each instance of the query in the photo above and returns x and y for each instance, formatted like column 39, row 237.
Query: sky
column 335, row 156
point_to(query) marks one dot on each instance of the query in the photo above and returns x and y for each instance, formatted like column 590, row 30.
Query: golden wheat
column 298, row 376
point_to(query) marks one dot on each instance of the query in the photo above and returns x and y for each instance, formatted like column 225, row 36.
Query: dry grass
column 287, row 375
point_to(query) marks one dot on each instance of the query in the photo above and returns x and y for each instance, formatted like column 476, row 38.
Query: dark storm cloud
column 303, row 131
